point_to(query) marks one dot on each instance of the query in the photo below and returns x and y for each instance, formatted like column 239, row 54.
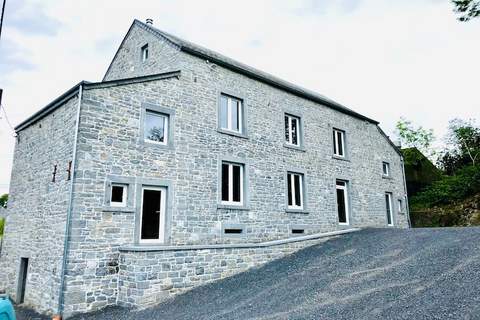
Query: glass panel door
column 152, row 222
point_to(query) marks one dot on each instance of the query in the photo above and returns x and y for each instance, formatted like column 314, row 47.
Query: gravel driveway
column 371, row 274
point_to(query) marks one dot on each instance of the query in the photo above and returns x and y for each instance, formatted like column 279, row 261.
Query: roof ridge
column 221, row 59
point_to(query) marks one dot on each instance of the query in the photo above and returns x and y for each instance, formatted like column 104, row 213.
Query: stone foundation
column 150, row 275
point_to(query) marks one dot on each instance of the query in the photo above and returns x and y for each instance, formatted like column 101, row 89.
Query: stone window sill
column 118, row 209
column 387, row 177
column 150, row 144
column 232, row 133
column 232, row 207
column 294, row 147
column 340, row 158
column 302, row 211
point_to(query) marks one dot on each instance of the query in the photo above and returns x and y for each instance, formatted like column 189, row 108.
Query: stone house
column 181, row 167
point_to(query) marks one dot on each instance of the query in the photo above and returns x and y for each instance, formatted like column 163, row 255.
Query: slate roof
column 246, row 70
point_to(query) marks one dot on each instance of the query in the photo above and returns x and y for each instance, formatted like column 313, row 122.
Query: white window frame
column 144, row 52
column 390, row 204
column 400, row 205
column 336, row 144
column 165, row 127
column 290, row 130
column 230, row 201
column 124, row 195
column 161, row 233
column 229, row 114
column 387, row 166
column 343, row 187
column 292, row 185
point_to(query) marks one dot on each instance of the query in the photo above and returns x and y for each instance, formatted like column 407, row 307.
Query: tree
column 419, row 137
column 3, row 200
column 467, row 8
column 463, row 139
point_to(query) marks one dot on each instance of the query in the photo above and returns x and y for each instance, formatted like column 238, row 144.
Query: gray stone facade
column 100, row 269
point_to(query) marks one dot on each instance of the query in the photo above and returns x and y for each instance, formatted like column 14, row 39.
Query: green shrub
column 2, row 225
column 465, row 183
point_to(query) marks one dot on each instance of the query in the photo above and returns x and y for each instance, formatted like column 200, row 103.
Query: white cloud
column 384, row 59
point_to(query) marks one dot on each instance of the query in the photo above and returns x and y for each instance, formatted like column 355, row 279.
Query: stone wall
column 37, row 208
column 163, row 56
column 148, row 277
column 110, row 144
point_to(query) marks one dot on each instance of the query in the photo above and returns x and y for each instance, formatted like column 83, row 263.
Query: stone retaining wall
column 147, row 278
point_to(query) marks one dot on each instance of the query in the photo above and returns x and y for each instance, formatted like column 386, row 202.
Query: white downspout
column 61, row 296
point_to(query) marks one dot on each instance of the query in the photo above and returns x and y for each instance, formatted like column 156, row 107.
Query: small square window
column 232, row 183
column 386, row 169
column 144, row 53
column 231, row 114
column 292, row 130
column 339, row 143
column 156, row 127
column 118, row 197
column 295, row 191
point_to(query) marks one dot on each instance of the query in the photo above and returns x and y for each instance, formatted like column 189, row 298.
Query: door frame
column 161, row 233
column 346, row 204
column 390, row 204
column 22, row 280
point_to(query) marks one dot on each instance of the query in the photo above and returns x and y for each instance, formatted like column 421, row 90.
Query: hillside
column 464, row 212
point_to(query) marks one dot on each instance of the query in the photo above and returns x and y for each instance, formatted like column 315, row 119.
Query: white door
column 152, row 215
column 388, row 203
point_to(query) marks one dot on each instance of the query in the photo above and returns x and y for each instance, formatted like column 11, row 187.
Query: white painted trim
column 230, row 201
column 337, row 144
column 161, row 233
column 292, row 184
column 165, row 127
column 290, row 120
column 389, row 195
column 124, row 195
column 344, row 188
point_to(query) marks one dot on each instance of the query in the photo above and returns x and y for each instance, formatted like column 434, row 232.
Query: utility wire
column 1, row 18
column 6, row 118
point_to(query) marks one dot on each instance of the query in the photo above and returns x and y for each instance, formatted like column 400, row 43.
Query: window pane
column 154, row 127
column 385, row 168
column 340, row 183
column 335, row 151
column 236, row 183
column 342, row 211
column 225, row 182
column 151, row 214
column 389, row 209
column 234, row 113
column 223, row 112
column 289, row 189
column 287, row 130
column 296, row 181
column 117, row 194
column 340, row 143
column 294, row 131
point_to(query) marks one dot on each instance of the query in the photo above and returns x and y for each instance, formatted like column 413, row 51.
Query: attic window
column 145, row 53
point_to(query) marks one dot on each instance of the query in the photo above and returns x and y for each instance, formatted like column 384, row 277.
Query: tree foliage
column 417, row 137
column 467, row 9
column 465, row 183
column 463, row 145
column 3, row 200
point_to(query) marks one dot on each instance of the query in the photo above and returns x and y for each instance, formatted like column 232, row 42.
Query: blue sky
column 382, row 58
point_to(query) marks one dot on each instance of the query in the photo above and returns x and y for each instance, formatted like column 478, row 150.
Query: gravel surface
column 371, row 274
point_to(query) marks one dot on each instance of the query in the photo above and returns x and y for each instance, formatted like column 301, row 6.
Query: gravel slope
column 371, row 274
